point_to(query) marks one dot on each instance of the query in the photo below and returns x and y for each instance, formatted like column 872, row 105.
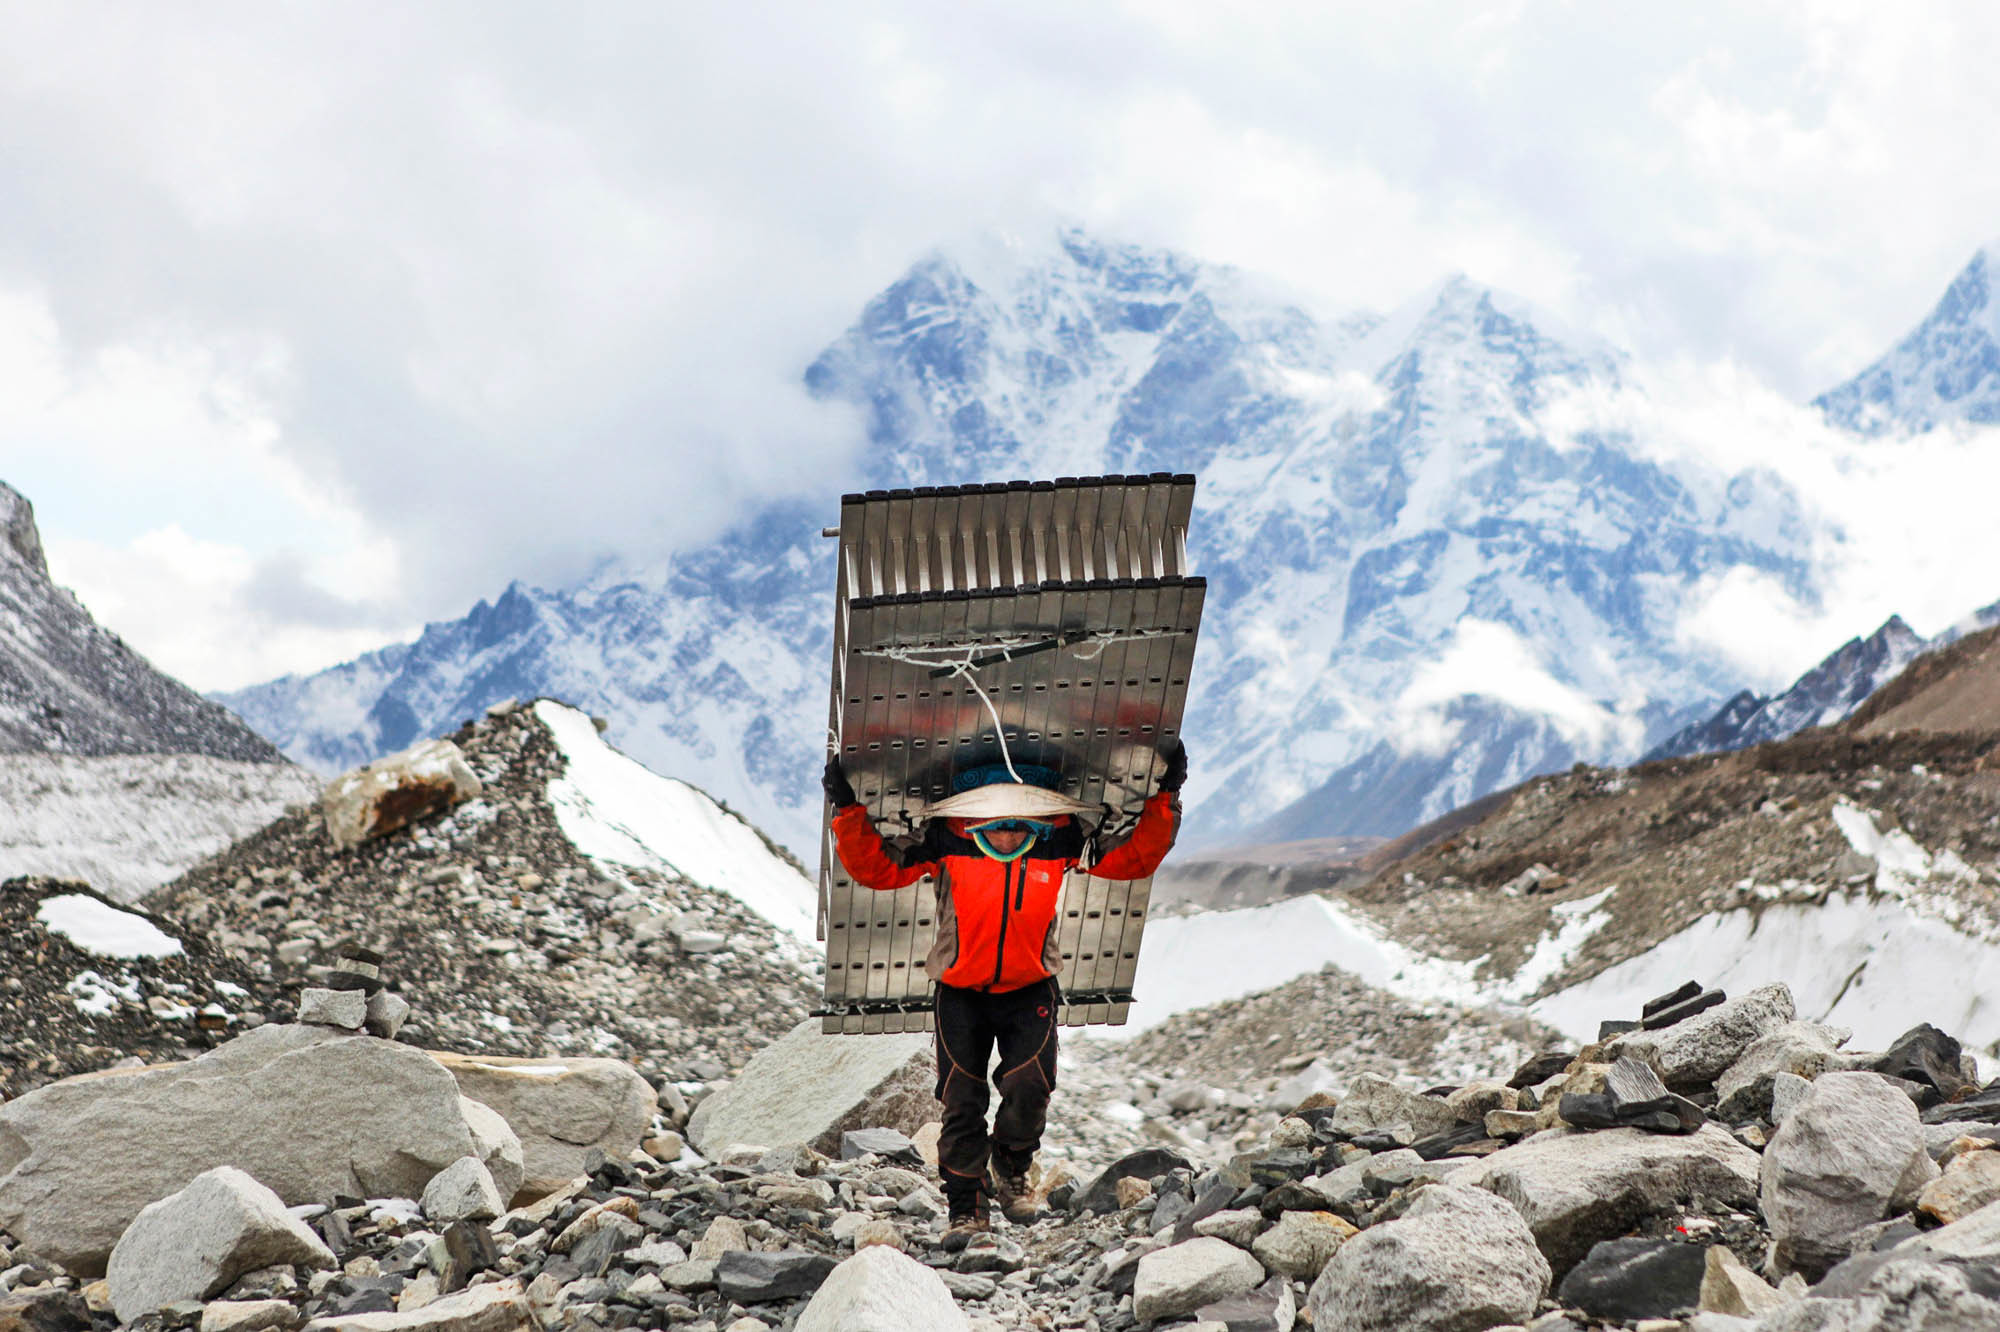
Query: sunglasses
column 1035, row 829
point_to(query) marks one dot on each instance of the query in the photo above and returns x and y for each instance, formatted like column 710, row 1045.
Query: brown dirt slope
column 1956, row 689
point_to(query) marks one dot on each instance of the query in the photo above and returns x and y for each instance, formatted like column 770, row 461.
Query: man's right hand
column 839, row 791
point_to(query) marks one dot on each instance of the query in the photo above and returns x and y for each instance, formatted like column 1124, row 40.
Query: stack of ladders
column 1061, row 610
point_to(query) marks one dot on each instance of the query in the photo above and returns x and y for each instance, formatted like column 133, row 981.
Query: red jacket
column 996, row 919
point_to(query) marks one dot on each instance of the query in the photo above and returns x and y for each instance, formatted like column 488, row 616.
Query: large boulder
column 1850, row 1153
column 559, row 1109
column 309, row 1112
column 1574, row 1189
column 1697, row 1051
column 809, row 1087
column 1804, row 1049
column 396, row 791
column 191, row 1245
column 1904, row 1295
column 881, row 1289
column 1460, row 1260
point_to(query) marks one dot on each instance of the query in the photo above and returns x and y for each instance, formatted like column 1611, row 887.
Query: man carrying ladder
column 1010, row 670
column 998, row 851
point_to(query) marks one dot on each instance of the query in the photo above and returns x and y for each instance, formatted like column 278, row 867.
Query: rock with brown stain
column 419, row 783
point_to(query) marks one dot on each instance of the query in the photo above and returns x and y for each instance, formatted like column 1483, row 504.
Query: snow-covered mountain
column 70, row 686
column 1426, row 580
column 1946, row 370
column 1827, row 693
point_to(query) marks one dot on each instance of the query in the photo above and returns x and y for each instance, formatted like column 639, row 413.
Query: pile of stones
column 502, row 936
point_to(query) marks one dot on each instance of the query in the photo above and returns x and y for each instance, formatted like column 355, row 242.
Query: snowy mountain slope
column 69, row 686
column 1822, row 696
column 125, row 824
column 1424, row 579
column 1946, row 370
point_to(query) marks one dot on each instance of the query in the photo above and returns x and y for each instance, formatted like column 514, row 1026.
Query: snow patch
column 98, row 928
column 95, row 996
column 615, row 809
column 1899, row 862
column 1193, row 961
column 1871, row 963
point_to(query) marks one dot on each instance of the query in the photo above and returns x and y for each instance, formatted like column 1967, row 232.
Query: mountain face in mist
column 70, row 686
column 1427, row 579
column 1947, row 370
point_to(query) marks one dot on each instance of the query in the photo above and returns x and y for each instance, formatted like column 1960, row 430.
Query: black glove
column 1176, row 772
column 838, row 789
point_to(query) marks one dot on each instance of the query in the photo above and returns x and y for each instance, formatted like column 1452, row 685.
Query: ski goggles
column 1035, row 829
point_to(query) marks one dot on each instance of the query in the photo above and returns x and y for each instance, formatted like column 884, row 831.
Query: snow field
column 104, row 930
column 615, row 809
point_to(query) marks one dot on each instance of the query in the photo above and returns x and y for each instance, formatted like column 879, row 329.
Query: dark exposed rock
column 1101, row 1194
column 1682, row 1010
column 1636, row 1278
column 758, row 1278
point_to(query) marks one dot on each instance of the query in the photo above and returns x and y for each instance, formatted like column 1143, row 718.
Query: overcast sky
column 317, row 321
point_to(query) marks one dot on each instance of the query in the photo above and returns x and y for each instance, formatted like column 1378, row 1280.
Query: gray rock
column 345, row 1009
column 387, row 1012
column 559, row 1109
column 1728, row 1287
column 757, row 1278
column 1802, row 1049
column 1907, row 1295
column 308, row 1111
column 195, row 1243
column 1301, row 1243
column 462, row 1191
column 1181, row 1278
column 1850, row 1151
column 1701, row 1049
column 808, row 1087
column 1149, row 1163
column 1787, row 1091
column 1976, row 1236
column 1239, row 1226
column 882, row 1290
column 1377, row 1103
column 1460, row 1260
column 1969, row 1182
column 1575, row 1189
column 497, row 1306
column 496, row 1145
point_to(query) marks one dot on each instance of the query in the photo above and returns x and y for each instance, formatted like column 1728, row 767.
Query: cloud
column 1489, row 660
column 500, row 287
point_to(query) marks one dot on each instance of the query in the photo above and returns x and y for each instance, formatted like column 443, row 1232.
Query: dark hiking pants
column 970, row 1025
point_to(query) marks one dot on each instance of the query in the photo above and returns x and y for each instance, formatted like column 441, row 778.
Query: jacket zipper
column 1000, row 952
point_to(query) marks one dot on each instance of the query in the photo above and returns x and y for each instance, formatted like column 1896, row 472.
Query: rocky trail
column 504, row 1063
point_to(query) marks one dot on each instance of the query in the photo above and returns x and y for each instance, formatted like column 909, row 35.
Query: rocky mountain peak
column 1947, row 369
column 18, row 535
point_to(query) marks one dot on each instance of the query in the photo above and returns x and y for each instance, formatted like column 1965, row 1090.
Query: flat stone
column 559, row 1108
column 1269, row 1308
column 1845, row 1156
column 887, row 1143
column 808, row 1087
column 692, row 1275
column 386, row 1014
column 345, row 1009
column 497, row 1306
column 1180, row 1278
column 1670, row 1014
column 262, row 1102
column 1377, row 1103
column 757, row 1278
column 1574, row 1189
column 1636, row 1278
column 725, row 1234
column 881, row 1290
column 194, row 1244
column 250, row 1316
column 1240, row 1226
column 1457, row 1260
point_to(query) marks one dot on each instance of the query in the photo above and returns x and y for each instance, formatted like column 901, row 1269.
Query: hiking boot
column 968, row 1218
column 1009, row 1186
